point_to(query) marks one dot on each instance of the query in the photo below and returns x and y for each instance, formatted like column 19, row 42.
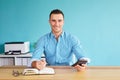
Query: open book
column 31, row 71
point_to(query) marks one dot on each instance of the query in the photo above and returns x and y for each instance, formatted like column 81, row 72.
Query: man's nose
column 57, row 23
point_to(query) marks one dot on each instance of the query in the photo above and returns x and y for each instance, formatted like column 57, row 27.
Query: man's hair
column 56, row 11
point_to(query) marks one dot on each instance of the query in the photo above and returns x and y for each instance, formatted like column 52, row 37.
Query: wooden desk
column 65, row 73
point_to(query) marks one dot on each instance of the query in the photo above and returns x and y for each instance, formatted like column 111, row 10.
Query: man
column 59, row 47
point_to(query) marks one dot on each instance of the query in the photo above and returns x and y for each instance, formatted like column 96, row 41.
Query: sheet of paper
column 46, row 70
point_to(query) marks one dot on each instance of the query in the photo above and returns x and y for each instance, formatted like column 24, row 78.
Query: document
column 31, row 71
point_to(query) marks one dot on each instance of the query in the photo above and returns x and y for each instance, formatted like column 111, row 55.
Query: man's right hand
column 39, row 64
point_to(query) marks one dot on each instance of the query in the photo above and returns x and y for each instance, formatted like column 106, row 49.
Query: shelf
column 22, row 59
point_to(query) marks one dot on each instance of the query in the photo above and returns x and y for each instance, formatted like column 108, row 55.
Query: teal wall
column 95, row 22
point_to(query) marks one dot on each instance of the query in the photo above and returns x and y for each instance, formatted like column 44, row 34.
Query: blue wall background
column 95, row 22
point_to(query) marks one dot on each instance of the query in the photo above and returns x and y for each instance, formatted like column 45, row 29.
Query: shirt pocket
column 65, row 51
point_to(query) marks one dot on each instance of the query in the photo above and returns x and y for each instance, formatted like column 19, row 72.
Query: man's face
column 56, row 21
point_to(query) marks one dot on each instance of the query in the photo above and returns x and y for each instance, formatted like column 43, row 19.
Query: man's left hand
column 80, row 68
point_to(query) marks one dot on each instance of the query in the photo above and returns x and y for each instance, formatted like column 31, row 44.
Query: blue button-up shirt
column 64, row 51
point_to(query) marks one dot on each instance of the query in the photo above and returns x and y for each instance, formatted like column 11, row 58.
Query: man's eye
column 59, row 20
column 53, row 20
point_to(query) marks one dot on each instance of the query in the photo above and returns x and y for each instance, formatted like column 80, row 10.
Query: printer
column 16, row 47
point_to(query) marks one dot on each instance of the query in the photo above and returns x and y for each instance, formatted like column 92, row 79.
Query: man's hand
column 81, row 64
column 39, row 64
column 80, row 68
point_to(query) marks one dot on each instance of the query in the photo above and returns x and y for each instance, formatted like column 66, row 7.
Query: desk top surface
column 66, row 73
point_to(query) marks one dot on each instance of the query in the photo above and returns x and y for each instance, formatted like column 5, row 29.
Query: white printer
column 17, row 47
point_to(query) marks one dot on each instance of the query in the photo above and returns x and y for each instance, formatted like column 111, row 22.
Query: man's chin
column 57, row 31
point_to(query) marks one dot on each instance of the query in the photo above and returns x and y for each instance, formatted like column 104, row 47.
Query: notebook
column 33, row 71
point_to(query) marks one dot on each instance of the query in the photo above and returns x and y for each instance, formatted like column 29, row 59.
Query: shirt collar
column 52, row 35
